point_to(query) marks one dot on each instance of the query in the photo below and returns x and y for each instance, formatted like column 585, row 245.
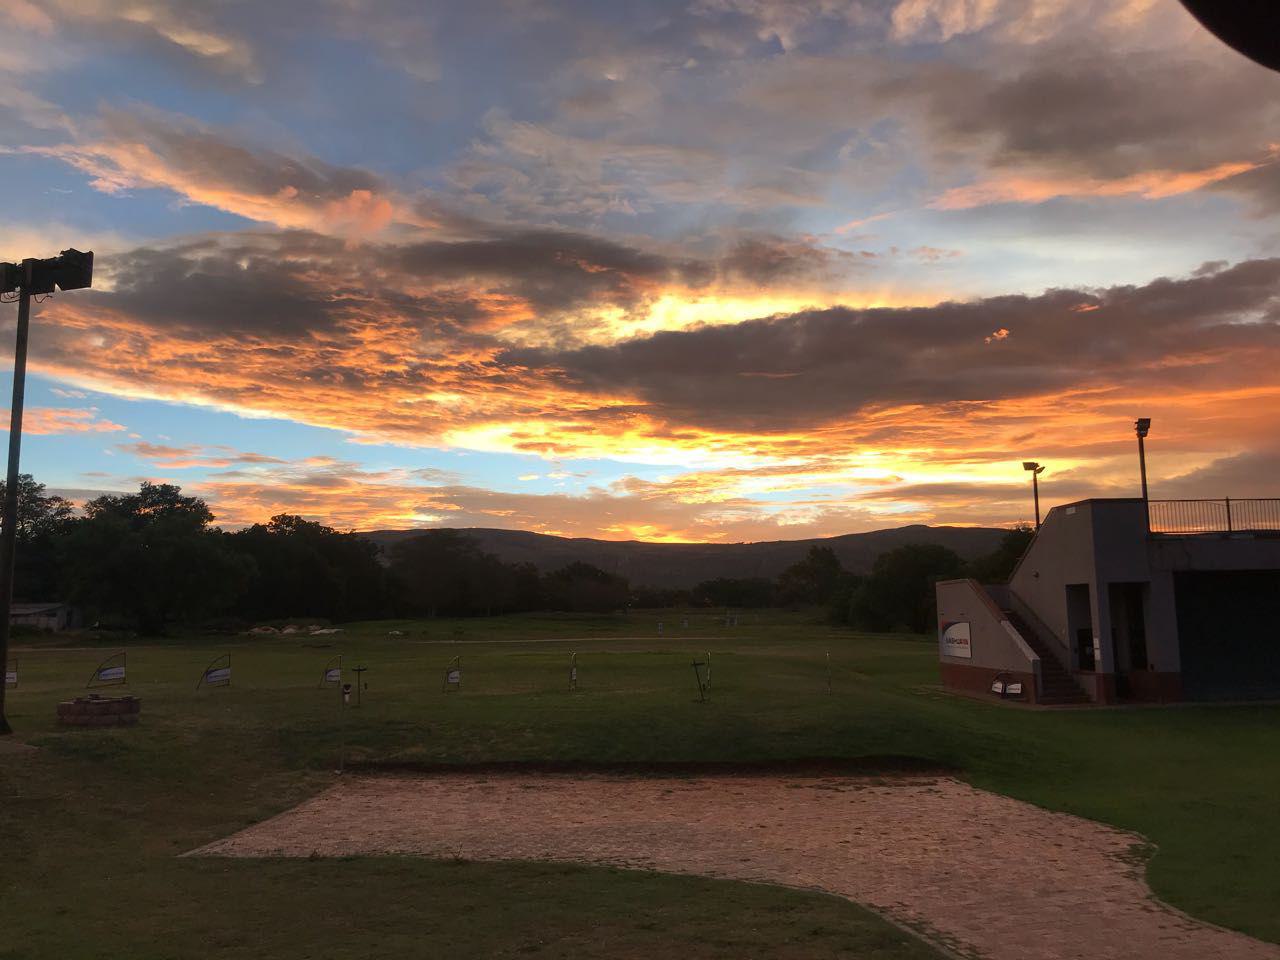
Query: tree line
column 153, row 559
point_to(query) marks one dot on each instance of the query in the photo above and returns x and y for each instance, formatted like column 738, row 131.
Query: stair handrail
column 1061, row 651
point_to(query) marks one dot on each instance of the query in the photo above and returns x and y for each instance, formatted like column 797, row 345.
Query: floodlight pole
column 1035, row 470
column 1035, row 493
column 1141, row 427
column 9, row 531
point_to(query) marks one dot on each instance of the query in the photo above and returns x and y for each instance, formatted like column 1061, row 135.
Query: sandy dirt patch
column 980, row 872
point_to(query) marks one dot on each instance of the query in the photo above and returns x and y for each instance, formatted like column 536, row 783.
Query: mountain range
column 682, row 565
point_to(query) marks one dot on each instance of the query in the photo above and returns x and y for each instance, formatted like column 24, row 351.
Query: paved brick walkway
column 983, row 873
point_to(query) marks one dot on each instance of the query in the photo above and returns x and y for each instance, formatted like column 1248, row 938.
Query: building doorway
column 1080, row 627
column 1128, row 604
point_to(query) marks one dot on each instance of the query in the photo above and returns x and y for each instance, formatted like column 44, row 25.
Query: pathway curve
column 982, row 873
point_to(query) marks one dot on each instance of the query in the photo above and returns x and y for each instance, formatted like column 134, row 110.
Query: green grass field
column 93, row 820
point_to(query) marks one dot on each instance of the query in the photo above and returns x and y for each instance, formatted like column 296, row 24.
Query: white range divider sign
column 332, row 672
column 453, row 675
column 956, row 642
column 216, row 674
column 109, row 672
column 11, row 674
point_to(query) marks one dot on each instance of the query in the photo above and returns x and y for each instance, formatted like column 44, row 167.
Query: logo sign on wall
column 108, row 673
column 955, row 640
column 11, row 674
column 216, row 674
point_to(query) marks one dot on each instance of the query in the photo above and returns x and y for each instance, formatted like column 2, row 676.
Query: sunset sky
column 710, row 270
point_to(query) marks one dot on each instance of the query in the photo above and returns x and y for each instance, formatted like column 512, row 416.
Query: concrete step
column 1057, row 685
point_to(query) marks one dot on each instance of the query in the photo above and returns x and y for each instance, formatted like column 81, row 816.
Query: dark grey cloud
column 1103, row 113
column 1248, row 474
column 819, row 365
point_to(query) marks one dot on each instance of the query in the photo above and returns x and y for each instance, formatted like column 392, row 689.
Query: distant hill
column 686, row 564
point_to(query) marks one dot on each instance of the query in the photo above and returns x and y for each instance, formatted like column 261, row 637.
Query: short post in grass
column 360, row 684
column 659, row 628
column 217, row 673
column 828, row 671
column 698, row 667
column 11, row 674
column 109, row 673
column 573, row 671
column 708, row 671
column 344, row 700
column 452, row 675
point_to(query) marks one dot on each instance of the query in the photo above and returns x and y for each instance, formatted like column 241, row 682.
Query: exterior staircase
column 1057, row 685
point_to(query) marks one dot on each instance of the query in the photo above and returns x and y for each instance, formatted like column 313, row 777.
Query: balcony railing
column 1214, row 516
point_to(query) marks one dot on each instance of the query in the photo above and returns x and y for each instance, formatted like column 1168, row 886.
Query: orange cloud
column 46, row 421
column 1030, row 188
column 146, row 149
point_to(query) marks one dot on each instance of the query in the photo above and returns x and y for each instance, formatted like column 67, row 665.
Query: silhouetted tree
column 582, row 588
column 655, row 598
column 42, row 520
column 810, row 581
column 730, row 592
column 840, row 605
column 997, row 566
column 898, row 594
column 303, row 568
column 151, row 557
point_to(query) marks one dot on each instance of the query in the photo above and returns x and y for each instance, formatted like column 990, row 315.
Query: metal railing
column 1214, row 516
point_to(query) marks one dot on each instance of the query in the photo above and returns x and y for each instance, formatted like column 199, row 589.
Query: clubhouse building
column 1126, row 600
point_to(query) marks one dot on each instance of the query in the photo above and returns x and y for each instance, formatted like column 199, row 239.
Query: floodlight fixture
column 70, row 270
column 1033, row 466
column 1142, row 426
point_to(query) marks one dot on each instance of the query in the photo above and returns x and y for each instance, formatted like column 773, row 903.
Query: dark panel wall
column 1229, row 634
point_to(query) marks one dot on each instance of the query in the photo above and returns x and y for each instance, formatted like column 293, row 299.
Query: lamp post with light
column 70, row 270
column 1035, row 470
column 1142, row 426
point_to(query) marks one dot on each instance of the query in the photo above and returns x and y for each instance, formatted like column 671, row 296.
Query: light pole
column 1142, row 426
column 70, row 270
column 1035, row 470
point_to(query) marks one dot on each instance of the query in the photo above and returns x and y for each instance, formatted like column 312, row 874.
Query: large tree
column 898, row 593
column 442, row 572
column 305, row 569
column 582, row 588
column 997, row 566
column 151, row 557
column 811, row 581
column 42, row 520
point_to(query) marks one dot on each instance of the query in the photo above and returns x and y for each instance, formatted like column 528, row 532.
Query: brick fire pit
column 95, row 711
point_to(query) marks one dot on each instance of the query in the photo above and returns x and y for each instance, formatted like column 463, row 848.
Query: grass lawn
column 92, row 821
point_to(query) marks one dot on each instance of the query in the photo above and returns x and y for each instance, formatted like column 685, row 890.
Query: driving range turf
column 91, row 823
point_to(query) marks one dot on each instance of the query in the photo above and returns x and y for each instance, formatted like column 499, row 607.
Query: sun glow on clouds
column 636, row 263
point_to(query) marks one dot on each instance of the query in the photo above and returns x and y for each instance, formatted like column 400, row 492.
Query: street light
column 1142, row 426
column 70, row 270
column 1035, row 470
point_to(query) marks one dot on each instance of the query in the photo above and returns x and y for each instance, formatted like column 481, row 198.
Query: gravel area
column 981, row 873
